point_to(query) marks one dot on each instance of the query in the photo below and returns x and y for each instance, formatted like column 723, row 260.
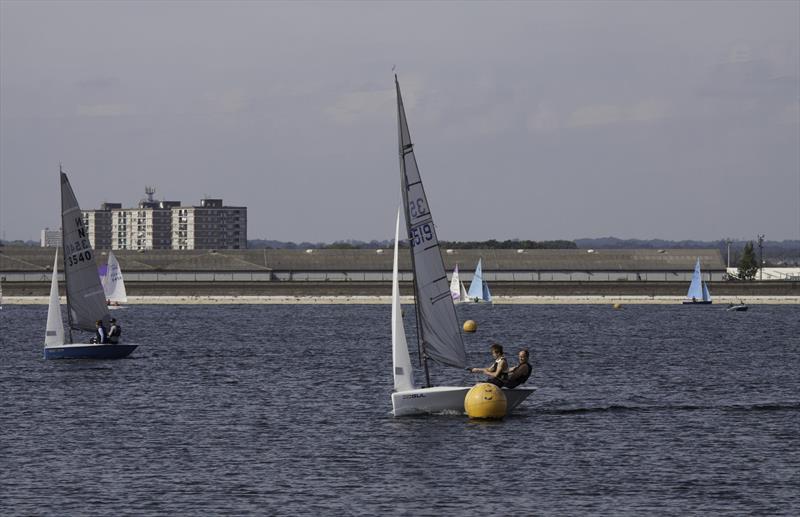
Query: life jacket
column 503, row 374
column 515, row 380
column 115, row 331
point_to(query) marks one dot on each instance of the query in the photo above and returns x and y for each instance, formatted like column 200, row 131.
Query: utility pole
column 728, row 242
column 761, row 256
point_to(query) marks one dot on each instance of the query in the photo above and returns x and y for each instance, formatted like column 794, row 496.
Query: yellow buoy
column 470, row 326
column 485, row 400
column 617, row 305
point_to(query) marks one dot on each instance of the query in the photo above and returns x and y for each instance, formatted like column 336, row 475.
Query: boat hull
column 446, row 399
column 699, row 302
column 737, row 308
column 88, row 351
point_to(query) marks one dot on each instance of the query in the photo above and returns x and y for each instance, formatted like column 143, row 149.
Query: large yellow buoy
column 485, row 400
column 470, row 326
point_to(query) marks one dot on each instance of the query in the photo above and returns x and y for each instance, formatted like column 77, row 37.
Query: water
column 285, row 410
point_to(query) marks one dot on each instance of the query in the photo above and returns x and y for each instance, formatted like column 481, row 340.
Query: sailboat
column 438, row 332
column 457, row 289
column 698, row 290
column 113, row 283
column 86, row 302
column 478, row 289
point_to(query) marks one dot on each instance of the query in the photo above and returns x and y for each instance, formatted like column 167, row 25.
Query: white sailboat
column 698, row 293
column 438, row 332
column 478, row 289
column 113, row 283
column 86, row 302
column 457, row 289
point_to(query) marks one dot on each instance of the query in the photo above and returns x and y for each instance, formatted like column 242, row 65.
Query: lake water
column 285, row 410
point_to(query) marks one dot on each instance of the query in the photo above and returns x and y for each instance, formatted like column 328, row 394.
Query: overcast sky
column 533, row 120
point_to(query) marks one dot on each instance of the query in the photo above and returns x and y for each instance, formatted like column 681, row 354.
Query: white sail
column 113, row 284
column 54, row 333
column 455, row 286
column 85, row 297
column 696, row 286
column 438, row 329
column 403, row 374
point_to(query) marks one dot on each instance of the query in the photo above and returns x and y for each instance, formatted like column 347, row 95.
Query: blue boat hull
column 88, row 351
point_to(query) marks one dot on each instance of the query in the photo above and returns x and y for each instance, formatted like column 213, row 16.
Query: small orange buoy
column 470, row 326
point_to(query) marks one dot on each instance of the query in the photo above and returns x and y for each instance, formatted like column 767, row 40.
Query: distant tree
column 748, row 264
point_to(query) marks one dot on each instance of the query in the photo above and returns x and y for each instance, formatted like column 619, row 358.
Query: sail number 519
column 421, row 234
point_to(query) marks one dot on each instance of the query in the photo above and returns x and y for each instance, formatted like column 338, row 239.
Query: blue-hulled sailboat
column 86, row 301
column 478, row 289
column 698, row 290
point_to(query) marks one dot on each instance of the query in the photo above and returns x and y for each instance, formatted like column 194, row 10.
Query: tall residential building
column 51, row 238
column 98, row 225
column 146, row 227
column 209, row 226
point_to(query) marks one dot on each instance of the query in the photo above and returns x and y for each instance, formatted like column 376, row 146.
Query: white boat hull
column 445, row 399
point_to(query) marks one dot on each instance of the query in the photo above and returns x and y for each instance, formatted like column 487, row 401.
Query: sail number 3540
column 79, row 257
column 421, row 234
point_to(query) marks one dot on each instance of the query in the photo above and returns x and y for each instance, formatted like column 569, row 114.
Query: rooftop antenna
column 149, row 191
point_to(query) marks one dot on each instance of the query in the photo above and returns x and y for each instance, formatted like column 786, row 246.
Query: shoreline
column 386, row 300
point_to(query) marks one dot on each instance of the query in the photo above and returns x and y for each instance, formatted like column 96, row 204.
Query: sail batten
column 438, row 326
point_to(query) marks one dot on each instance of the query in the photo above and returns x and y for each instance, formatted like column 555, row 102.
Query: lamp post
column 761, row 257
column 728, row 242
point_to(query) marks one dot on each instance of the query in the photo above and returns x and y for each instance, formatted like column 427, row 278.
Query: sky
column 530, row 120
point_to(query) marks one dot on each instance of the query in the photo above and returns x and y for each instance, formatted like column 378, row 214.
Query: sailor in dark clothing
column 497, row 371
column 520, row 373
column 114, row 332
column 100, row 333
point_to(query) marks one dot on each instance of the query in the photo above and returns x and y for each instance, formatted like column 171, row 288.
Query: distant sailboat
column 113, row 283
column 86, row 302
column 438, row 332
column 478, row 289
column 457, row 289
column 698, row 290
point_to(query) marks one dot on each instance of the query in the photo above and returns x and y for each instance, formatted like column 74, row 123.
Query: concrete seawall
column 515, row 289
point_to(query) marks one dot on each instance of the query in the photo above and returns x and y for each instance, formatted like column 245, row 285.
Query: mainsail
column 696, row 287
column 85, row 297
column 113, row 284
column 438, row 330
column 455, row 286
column 476, row 290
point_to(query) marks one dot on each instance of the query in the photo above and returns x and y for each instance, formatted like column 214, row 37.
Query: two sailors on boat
column 110, row 336
column 499, row 373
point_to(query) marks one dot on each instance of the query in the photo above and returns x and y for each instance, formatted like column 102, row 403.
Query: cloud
column 356, row 105
column 609, row 114
column 105, row 110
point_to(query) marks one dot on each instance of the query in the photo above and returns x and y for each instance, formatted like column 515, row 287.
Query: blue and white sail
column 112, row 281
column 698, row 290
column 478, row 289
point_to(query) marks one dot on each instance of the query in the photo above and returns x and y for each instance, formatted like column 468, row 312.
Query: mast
column 403, row 150
column 64, row 255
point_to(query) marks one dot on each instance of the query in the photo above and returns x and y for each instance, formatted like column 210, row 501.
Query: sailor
column 114, row 332
column 520, row 373
column 100, row 332
column 498, row 370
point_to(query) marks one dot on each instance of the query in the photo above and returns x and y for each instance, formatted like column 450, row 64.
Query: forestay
column 85, row 297
column 438, row 328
